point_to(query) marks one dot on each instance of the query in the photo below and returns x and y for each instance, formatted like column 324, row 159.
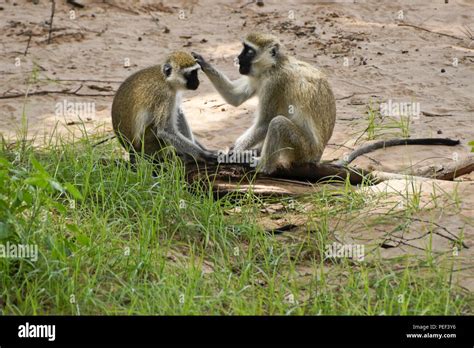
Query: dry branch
column 80, row 80
column 449, row 171
column 53, row 6
column 64, row 91
column 429, row 31
column 232, row 178
column 239, row 179
column 121, row 8
column 28, row 43
column 432, row 114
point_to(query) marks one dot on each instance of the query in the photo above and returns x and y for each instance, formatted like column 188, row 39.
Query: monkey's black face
column 245, row 59
column 192, row 81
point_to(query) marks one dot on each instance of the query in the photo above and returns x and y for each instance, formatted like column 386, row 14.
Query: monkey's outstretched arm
column 184, row 128
column 183, row 125
column 234, row 92
column 200, row 145
column 394, row 142
column 251, row 137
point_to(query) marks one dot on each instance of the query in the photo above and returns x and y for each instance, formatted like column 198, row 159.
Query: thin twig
column 248, row 3
column 121, row 8
column 354, row 94
column 347, row 97
column 429, row 31
column 28, row 44
column 156, row 20
column 431, row 114
column 468, row 32
column 53, row 6
column 65, row 91
column 78, row 88
column 79, row 80
column 110, row 137
column 454, row 237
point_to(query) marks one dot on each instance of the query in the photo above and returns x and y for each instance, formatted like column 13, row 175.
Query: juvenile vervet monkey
column 146, row 113
column 296, row 110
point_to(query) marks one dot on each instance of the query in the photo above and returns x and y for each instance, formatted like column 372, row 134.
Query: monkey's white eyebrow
column 249, row 45
column 191, row 68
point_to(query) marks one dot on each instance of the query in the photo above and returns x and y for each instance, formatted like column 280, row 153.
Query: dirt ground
column 372, row 52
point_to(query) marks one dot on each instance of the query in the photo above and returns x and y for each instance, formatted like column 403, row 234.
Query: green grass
column 379, row 125
column 112, row 240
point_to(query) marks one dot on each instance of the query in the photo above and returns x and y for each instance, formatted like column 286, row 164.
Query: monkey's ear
column 167, row 69
column 275, row 49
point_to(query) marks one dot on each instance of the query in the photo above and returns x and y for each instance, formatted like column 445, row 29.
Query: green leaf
column 61, row 208
column 3, row 205
column 4, row 163
column 73, row 191
column 83, row 239
column 56, row 185
column 37, row 181
column 73, row 228
column 5, row 230
column 4, row 180
column 16, row 203
column 20, row 209
column 27, row 197
column 38, row 166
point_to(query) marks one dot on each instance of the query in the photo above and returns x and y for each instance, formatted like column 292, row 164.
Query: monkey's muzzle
column 192, row 84
column 244, row 69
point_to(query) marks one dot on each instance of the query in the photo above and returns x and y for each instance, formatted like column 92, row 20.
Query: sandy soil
column 372, row 51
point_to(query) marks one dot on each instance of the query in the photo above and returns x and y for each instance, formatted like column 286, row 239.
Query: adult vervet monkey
column 146, row 112
column 296, row 112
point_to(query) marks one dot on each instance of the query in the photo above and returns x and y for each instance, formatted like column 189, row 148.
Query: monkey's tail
column 394, row 142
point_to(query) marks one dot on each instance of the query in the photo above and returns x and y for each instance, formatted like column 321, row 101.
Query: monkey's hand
column 209, row 156
column 201, row 61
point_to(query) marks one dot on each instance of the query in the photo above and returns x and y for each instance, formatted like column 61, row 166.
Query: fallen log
column 240, row 179
column 449, row 171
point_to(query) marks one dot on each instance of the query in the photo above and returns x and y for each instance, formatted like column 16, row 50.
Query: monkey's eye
column 167, row 69
column 248, row 51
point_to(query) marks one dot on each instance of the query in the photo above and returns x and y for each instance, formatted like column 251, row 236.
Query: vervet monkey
column 146, row 113
column 296, row 109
